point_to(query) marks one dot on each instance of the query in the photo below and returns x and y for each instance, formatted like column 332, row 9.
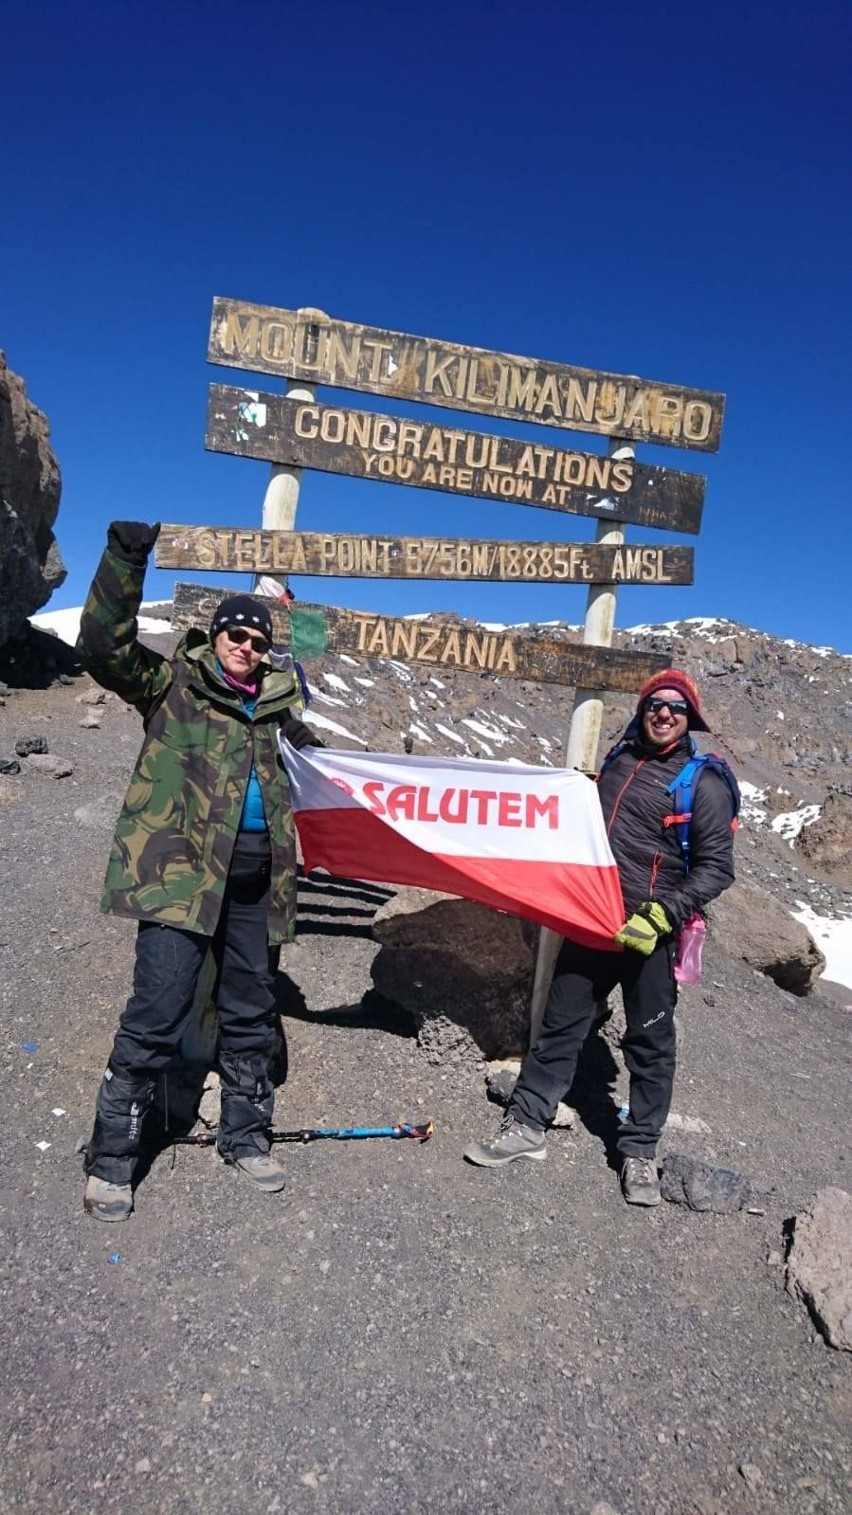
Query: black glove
column 299, row 735
column 132, row 541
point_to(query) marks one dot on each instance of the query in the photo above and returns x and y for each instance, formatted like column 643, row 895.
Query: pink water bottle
column 690, row 944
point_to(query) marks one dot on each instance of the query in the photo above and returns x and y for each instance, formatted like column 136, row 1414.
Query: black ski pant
column 582, row 979
column 168, row 965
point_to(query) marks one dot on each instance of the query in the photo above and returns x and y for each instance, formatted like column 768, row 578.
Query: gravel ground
column 397, row 1332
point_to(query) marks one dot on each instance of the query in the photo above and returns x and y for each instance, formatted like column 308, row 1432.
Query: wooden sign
column 230, row 549
column 307, row 344
column 366, row 445
column 313, row 630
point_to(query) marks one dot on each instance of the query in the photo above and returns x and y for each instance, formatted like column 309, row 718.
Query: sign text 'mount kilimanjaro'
column 234, row 549
column 313, row 630
column 363, row 444
column 307, row 344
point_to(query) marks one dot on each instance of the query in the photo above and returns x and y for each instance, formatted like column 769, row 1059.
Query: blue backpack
column 681, row 789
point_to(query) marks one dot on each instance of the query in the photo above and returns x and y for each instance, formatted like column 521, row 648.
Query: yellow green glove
column 644, row 928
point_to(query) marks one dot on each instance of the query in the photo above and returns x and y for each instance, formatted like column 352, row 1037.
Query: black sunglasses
column 238, row 635
column 676, row 707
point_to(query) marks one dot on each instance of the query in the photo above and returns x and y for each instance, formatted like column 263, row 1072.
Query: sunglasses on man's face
column 239, row 636
column 675, row 707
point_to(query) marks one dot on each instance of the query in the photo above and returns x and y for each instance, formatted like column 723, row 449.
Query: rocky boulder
column 30, row 564
column 827, row 843
column 819, row 1267
column 462, row 971
column 751, row 925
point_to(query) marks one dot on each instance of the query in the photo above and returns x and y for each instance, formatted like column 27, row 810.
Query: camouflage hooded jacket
column 175, row 834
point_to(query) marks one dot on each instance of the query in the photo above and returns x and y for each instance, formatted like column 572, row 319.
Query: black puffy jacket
column 632, row 789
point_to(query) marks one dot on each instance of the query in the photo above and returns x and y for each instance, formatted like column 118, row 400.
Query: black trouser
column 168, row 964
column 582, row 979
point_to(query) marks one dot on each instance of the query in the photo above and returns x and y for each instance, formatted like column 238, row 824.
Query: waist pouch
column 251, row 865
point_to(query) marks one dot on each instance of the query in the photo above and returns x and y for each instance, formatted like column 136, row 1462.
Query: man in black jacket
column 659, row 896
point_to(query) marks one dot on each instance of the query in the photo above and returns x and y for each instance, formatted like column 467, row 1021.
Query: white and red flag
column 527, row 840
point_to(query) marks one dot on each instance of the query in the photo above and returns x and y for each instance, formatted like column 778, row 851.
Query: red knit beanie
column 675, row 678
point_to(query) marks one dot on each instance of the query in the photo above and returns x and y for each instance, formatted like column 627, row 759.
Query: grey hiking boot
column 106, row 1201
column 640, row 1181
column 513, row 1140
column 262, row 1169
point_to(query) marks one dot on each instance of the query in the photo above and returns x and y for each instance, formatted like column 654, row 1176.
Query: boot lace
column 641, row 1170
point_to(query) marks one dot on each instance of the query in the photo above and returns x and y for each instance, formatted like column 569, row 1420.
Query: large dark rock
column 687, row 1181
column 750, row 924
column 462, row 971
column 819, row 1268
column 30, row 564
column 827, row 843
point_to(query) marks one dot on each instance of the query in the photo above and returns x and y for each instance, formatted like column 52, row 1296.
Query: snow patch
column 453, row 735
column 833, row 936
column 324, row 724
column 790, row 822
column 66, row 623
column 487, row 731
column 753, row 803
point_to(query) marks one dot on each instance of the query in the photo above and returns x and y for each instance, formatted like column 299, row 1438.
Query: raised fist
column 132, row 541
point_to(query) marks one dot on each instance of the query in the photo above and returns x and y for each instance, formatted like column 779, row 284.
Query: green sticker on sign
column 308, row 633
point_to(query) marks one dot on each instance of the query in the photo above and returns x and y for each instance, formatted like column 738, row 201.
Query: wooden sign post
column 581, row 751
column 313, row 630
column 231, row 549
column 305, row 344
column 296, row 431
column 362, row 444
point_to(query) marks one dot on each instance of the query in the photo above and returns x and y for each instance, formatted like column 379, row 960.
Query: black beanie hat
column 242, row 610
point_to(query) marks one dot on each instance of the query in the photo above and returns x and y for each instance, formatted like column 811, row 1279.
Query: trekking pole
column 321, row 1133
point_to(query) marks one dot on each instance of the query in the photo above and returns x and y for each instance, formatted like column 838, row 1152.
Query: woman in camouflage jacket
column 204, row 855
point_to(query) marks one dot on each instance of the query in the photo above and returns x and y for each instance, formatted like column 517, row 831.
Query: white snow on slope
column 322, row 722
column 752, row 811
column 790, row 822
column 834, row 939
column 710, row 627
column 66, row 623
column 490, row 732
column 453, row 735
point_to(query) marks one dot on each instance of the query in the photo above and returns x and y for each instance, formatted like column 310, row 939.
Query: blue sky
column 661, row 190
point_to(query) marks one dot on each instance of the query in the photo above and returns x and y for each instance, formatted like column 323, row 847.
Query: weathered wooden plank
column 307, row 344
column 313, row 630
column 365, row 445
column 231, row 549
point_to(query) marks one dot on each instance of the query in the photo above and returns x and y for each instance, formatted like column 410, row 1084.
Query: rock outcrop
column 751, row 925
column 30, row 564
column 819, row 1268
column 827, row 844
column 462, row 971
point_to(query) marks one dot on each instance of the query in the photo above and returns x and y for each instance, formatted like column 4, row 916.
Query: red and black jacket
column 632, row 788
